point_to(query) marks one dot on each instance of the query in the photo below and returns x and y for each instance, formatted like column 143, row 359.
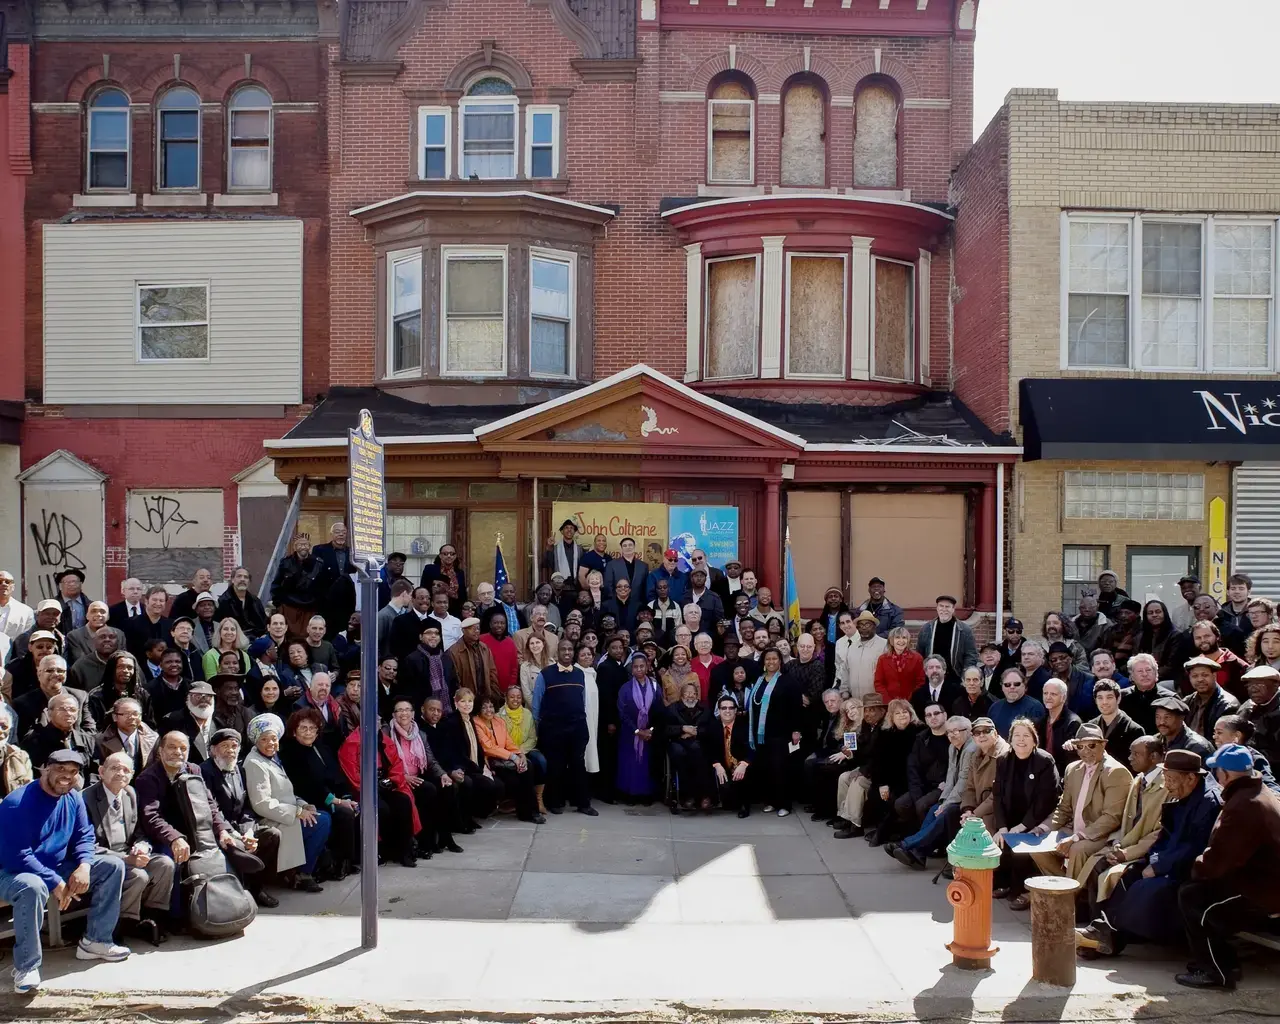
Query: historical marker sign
column 366, row 495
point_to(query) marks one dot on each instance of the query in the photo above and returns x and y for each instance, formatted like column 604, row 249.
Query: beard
column 199, row 713
column 225, row 764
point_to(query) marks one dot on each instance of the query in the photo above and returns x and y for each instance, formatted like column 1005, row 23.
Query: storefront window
column 1154, row 572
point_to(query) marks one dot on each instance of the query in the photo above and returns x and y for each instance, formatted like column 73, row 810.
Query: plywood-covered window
column 804, row 134
column 733, row 317
column 875, row 142
column 915, row 541
column 813, row 522
column 894, row 340
column 815, row 315
column 731, row 122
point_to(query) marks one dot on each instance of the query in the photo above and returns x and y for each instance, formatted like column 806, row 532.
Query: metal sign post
column 367, row 514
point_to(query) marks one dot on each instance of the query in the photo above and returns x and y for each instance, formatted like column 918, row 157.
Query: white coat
column 272, row 798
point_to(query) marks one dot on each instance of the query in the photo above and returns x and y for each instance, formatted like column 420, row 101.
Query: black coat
column 950, row 692
column 889, row 759
column 140, row 629
column 711, row 737
column 118, row 615
column 1039, row 796
column 406, row 633
column 165, row 701
column 184, row 722
column 250, row 613
column 314, row 771
column 927, row 763
column 786, row 711
column 31, row 705
column 300, row 582
column 676, row 716
column 1065, row 728
column 45, row 739
column 1137, row 705
column 228, row 791
column 1123, row 731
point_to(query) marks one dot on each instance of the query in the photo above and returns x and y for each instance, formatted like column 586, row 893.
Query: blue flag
column 500, row 577
column 792, row 596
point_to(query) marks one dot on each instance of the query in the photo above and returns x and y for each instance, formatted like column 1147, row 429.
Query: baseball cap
column 49, row 605
column 671, row 554
column 1013, row 624
column 876, row 579
column 1232, row 758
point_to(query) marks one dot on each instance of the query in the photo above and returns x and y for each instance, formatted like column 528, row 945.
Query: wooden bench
column 54, row 918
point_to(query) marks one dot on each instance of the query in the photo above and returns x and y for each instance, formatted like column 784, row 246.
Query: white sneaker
column 768, row 808
column 26, row 982
column 87, row 950
column 783, row 812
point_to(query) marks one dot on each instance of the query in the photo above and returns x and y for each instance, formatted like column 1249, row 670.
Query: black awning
column 1203, row 420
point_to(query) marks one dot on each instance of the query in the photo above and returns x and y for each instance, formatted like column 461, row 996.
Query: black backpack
column 218, row 904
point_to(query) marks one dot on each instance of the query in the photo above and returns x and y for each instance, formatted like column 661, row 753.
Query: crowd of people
column 1138, row 737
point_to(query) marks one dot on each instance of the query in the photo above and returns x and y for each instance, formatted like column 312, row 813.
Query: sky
column 1150, row 50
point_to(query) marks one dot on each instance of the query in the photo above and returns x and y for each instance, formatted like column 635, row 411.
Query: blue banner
column 713, row 528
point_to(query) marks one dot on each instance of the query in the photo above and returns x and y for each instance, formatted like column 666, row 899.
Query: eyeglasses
column 983, row 732
column 1010, row 686
column 1010, row 629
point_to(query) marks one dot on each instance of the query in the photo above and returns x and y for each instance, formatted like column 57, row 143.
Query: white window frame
column 570, row 259
column 127, row 110
column 271, row 140
column 706, row 315
column 448, row 252
column 138, row 325
column 159, row 129
column 490, row 101
column 554, row 111
column 392, row 259
column 711, row 177
column 1204, row 362
column 423, row 114
column 913, row 329
column 844, row 319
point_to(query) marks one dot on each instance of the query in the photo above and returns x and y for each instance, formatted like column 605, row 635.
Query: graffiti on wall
column 62, row 529
column 173, row 533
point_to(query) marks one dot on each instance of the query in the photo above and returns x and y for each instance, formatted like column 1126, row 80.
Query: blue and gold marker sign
column 366, row 495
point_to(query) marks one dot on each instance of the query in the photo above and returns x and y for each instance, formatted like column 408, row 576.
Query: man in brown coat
column 1235, row 883
column 978, row 800
column 470, row 663
column 1094, row 790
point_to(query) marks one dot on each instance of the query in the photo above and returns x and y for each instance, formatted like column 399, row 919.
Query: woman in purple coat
column 639, row 705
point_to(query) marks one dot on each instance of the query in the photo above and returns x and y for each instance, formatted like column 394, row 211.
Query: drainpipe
column 999, row 547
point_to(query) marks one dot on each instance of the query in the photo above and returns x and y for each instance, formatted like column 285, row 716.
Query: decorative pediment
column 641, row 412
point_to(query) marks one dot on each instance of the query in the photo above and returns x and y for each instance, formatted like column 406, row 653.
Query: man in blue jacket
column 1144, row 905
column 47, row 848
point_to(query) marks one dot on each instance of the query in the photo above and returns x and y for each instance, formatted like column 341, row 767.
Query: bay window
column 1197, row 292
column 732, row 328
column 551, row 305
column 404, row 330
column 816, row 320
column 474, row 336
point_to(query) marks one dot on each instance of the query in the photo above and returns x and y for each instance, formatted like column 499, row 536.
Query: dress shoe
column 556, row 810
column 265, row 899
column 1020, row 903
column 148, row 931
column 909, row 858
column 744, row 812
column 589, row 811
column 449, row 847
column 408, row 861
column 705, row 805
column 838, row 822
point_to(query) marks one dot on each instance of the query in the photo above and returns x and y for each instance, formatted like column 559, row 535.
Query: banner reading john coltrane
column 646, row 524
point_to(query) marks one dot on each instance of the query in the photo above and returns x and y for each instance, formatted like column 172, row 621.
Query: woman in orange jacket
column 521, row 778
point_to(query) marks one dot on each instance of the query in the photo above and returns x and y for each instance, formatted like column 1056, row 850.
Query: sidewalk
column 636, row 911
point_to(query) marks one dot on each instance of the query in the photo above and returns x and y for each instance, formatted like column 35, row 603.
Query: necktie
column 133, row 611
column 115, row 805
column 1137, row 808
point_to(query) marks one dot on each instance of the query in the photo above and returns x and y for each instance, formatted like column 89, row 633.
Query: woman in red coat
column 505, row 657
column 398, row 820
column 900, row 669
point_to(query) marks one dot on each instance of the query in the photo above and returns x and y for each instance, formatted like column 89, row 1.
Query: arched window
column 109, row 140
column 178, row 138
column 731, row 123
column 804, row 132
column 488, row 116
column 249, row 139
column 875, row 142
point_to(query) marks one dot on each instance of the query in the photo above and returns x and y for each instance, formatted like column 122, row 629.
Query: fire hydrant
column 974, row 857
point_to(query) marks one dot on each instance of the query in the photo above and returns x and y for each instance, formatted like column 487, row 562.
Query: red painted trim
column 793, row 18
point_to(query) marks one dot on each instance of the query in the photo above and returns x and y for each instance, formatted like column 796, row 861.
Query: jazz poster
column 713, row 528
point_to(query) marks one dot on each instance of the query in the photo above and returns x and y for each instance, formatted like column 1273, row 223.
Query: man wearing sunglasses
column 1011, row 648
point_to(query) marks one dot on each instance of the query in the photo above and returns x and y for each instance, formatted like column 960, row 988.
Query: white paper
column 1025, row 842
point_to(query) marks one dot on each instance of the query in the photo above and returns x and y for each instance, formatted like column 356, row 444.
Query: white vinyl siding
column 253, row 270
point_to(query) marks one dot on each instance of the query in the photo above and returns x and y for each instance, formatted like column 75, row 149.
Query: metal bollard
column 1053, row 929
column 974, row 857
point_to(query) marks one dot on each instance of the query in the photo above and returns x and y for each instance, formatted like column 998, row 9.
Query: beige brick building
column 1123, row 255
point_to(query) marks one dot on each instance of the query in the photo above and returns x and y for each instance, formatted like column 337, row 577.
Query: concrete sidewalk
column 636, row 911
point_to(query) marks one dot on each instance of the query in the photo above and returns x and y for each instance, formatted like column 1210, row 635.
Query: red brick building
column 530, row 198
column 176, row 278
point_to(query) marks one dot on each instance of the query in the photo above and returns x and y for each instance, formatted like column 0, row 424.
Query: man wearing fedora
column 1233, row 884
column 1094, row 790
column 856, row 657
column 1143, row 906
column 75, row 603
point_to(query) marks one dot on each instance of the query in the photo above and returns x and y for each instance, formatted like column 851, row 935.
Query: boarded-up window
column 875, row 146
column 174, row 533
column 813, row 521
column 804, row 148
column 815, row 321
column 915, row 541
column 732, row 317
column 895, row 324
column 730, row 124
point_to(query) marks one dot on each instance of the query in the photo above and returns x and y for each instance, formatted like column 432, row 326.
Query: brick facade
column 1038, row 158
